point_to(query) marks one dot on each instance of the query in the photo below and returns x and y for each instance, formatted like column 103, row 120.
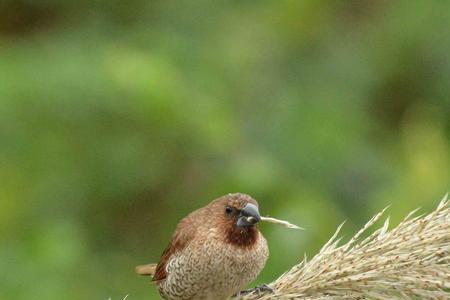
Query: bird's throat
column 242, row 237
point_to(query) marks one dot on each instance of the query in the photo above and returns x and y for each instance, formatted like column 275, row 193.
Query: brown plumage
column 214, row 253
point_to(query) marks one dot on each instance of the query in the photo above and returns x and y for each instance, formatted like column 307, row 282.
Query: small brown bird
column 214, row 253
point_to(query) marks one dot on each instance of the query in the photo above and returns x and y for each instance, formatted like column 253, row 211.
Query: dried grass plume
column 409, row 261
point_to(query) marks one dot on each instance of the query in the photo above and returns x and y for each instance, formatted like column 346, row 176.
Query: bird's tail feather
column 146, row 270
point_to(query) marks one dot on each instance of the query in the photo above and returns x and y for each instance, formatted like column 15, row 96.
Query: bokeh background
column 117, row 118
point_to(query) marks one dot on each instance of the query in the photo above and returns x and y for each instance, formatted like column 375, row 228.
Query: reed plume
column 409, row 261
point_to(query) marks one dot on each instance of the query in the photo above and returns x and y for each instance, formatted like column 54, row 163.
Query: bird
column 214, row 252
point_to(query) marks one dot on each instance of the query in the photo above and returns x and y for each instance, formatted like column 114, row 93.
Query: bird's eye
column 228, row 210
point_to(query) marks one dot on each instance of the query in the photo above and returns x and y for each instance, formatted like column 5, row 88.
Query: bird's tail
column 146, row 270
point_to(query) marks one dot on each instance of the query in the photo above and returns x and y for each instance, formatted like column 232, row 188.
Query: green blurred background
column 117, row 118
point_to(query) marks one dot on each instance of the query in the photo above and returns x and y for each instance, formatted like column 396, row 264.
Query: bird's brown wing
column 182, row 236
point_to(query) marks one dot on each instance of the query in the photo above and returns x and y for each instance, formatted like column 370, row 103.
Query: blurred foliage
column 120, row 117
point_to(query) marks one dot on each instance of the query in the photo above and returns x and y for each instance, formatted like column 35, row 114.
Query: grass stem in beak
column 281, row 222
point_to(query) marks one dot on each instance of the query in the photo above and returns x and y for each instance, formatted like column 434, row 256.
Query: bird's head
column 237, row 215
column 242, row 210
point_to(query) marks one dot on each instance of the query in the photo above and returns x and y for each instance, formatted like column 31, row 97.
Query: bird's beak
column 249, row 216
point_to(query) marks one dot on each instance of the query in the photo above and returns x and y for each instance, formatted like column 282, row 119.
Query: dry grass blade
column 281, row 222
column 409, row 261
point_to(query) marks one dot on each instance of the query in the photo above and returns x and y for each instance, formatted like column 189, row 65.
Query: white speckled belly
column 212, row 270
